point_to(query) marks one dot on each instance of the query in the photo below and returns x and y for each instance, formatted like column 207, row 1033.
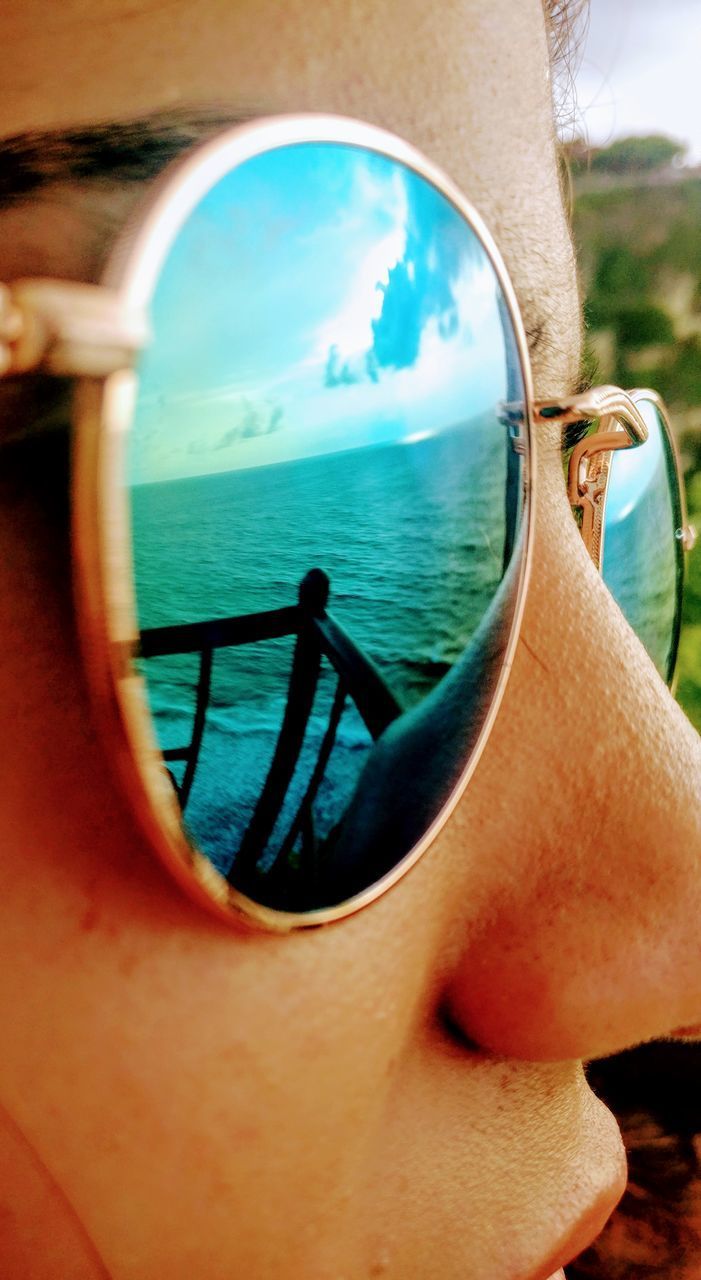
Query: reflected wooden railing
column 318, row 635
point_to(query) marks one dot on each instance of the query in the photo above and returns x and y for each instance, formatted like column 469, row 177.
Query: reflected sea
column 411, row 536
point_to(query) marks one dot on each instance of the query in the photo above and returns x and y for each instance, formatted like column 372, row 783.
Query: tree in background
column 640, row 155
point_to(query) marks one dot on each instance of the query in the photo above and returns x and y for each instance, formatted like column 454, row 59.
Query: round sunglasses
column 303, row 506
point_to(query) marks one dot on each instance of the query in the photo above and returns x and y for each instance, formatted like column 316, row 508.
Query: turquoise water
column 411, row 536
column 642, row 556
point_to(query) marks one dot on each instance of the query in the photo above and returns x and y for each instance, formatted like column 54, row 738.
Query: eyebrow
column 110, row 153
column 115, row 154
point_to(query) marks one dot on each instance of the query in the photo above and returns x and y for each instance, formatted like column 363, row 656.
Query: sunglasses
column 303, row 507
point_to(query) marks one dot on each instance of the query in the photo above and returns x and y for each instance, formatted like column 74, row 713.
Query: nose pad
column 587, row 938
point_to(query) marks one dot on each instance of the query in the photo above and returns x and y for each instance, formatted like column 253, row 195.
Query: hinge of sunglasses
column 587, row 483
column 587, row 406
column 67, row 329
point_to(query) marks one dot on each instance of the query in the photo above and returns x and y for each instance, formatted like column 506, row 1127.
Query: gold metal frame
column 94, row 333
column 104, row 578
column 621, row 426
column 55, row 326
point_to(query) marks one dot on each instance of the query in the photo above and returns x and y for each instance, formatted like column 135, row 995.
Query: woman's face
column 399, row 1094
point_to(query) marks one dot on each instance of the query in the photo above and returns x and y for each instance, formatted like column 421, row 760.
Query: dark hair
column 108, row 153
column 567, row 27
column 566, row 24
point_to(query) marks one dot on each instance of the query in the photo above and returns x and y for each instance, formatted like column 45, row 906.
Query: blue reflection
column 334, row 300
column 323, row 402
column 641, row 549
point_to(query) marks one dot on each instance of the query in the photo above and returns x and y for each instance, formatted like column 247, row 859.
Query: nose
column 586, row 939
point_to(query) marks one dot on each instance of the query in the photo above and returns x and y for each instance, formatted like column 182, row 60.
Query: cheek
column 174, row 1044
column 56, row 791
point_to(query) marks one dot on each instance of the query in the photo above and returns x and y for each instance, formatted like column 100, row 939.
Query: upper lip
column 582, row 1232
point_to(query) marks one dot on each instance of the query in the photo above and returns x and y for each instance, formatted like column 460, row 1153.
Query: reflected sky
column 635, row 470
column 641, row 553
column 319, row 298
column 322, row 308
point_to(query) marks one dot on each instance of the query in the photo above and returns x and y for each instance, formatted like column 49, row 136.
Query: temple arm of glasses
column 599, row 402
column 67, row 329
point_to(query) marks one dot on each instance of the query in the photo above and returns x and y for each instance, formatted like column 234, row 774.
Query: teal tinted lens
column 643, row 555
column 326, row 492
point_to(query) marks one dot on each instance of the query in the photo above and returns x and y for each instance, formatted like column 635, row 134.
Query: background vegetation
column 637, row 221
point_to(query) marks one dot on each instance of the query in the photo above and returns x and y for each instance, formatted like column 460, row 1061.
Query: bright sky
column 319, row 298
column 640, row 71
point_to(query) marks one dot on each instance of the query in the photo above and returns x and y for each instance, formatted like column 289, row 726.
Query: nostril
column 455, row 1033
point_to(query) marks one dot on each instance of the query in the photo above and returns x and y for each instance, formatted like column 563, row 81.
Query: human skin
column 398, row 1094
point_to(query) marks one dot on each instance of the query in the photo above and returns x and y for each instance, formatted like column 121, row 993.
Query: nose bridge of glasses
column 67, row 329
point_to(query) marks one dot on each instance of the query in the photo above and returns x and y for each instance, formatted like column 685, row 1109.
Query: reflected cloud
column 401, row 300
column 421, row 287
column 348, row 318
column 251, row 422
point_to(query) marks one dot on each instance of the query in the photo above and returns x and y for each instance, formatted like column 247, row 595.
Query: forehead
column 264, row 57
column 114, row 49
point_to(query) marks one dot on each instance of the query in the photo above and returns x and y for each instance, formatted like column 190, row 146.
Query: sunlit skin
column 214, row 1102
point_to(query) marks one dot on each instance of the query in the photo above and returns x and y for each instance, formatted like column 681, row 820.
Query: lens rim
column 105, row 596
column 678, row 495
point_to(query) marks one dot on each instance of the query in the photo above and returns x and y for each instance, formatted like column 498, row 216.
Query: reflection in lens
column 642, row 563
column 326, row 492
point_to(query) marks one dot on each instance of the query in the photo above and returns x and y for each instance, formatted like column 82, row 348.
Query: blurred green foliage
column 633, row 155
column 639, row 245
column 642, row 326
column 677, row 379
column 640, row 250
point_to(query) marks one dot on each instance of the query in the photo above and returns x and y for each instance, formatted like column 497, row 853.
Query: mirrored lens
column 326, row 491
column 643, row 557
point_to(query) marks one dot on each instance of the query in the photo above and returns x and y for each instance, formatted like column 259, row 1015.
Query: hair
column 567, row 22
column 564, row 19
